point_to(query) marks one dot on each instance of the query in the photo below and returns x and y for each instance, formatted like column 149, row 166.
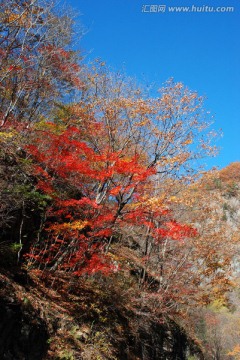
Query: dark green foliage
column 22, row 206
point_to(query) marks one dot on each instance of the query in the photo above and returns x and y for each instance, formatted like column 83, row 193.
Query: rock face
column 23, row 334
column 161, row 342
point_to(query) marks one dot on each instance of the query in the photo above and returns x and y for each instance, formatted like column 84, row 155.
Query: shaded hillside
column 65, row 318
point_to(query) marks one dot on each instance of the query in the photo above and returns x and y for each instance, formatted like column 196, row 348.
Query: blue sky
column 201, row 49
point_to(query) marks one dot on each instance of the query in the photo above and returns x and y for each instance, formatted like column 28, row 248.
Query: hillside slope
column 62, row 318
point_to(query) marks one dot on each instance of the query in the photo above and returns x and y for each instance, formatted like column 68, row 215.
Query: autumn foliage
column 109, row 177
column 110, row 194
